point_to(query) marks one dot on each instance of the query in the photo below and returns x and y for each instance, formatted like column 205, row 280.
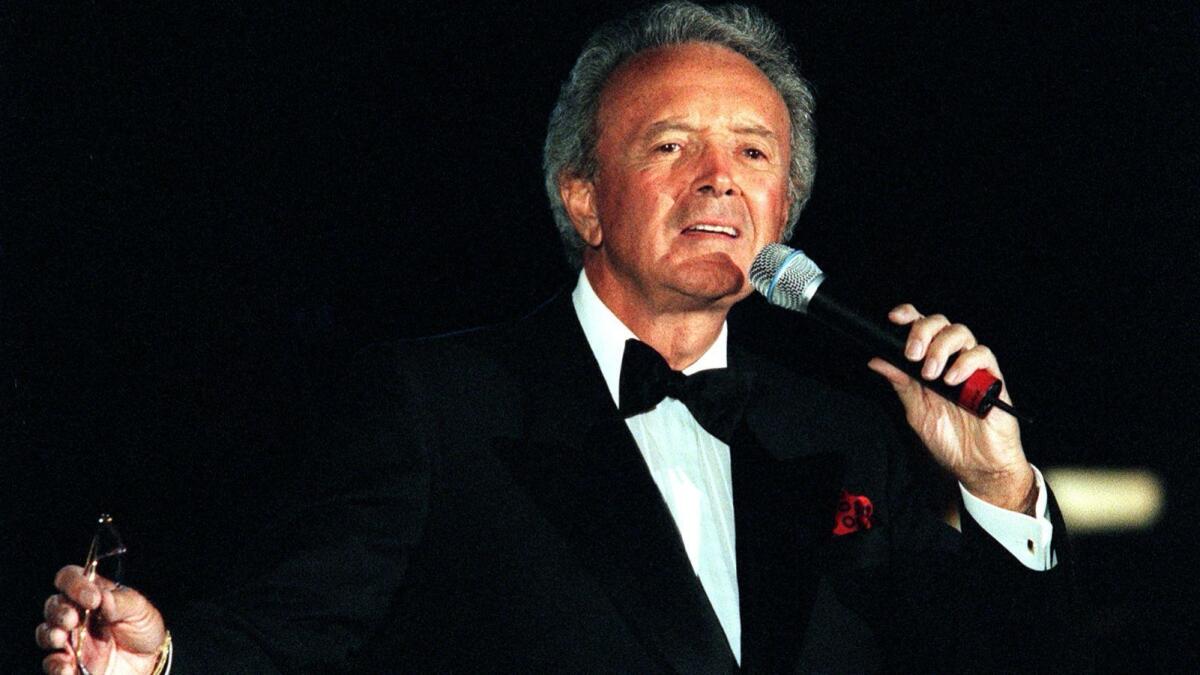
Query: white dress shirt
column 691, row 469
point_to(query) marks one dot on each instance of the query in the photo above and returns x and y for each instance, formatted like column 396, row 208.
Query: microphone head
column 786, row 276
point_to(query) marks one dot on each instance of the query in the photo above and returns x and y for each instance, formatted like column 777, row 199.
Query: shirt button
column 1029, row 545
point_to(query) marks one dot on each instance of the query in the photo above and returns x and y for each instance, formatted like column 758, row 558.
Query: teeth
column 720, row 229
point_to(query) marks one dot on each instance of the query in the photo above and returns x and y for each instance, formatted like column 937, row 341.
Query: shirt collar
column 606, row 335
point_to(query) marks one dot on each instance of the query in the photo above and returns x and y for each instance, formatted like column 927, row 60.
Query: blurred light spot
column 1096, row 500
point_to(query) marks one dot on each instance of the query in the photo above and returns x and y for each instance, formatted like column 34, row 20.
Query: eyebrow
column 668, row 124
column 755, row 130
column 671, row 124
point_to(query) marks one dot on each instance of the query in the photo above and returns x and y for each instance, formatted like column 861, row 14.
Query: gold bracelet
column 164, row 655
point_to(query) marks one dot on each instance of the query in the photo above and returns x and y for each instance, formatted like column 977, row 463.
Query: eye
column 667, row 148
column 754, row 153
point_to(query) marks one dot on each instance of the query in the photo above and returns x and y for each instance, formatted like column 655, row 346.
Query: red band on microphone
column 975, row 389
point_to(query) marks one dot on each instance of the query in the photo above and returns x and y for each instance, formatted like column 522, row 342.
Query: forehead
column 701, row 82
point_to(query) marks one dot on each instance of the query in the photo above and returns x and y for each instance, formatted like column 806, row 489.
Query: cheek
column 644, row 206
column 634, row 192
column 635, row 224
column 771, row 207
column 773, row 192
column 654, row 189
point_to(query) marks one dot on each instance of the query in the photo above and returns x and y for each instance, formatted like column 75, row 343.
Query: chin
column 713, row 277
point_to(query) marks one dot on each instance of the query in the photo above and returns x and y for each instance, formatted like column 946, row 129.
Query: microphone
column 791, row 280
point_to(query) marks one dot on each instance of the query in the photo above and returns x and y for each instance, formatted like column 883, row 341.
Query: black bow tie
column 716, row 398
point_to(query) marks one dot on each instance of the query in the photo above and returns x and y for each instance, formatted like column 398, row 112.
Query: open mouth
column 704, row 228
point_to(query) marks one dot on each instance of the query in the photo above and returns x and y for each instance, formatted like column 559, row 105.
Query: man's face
column 693, row 178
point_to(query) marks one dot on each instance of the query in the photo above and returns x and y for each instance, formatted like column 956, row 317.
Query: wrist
column 1014, row 489
column 165, row 652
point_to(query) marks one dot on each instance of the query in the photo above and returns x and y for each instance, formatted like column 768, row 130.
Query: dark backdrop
column 208, row 209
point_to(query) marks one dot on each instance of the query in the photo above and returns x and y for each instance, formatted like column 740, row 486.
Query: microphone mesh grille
column 792, row 290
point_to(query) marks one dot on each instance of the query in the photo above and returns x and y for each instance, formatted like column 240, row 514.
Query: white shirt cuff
column 1026, row 537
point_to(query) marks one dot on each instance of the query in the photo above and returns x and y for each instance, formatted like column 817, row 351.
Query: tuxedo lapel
column 580, row 464
column 783, row 510
column 785, row 487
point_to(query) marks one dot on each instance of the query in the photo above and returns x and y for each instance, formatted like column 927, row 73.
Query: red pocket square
column 853, row 513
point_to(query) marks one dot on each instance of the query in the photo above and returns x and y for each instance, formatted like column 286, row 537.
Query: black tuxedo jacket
column 494, row 514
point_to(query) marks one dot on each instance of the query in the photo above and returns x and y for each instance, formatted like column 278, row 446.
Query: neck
column 680, row 332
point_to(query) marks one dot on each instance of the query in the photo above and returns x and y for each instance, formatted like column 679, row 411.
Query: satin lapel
column 784, row 495
column 580, row 464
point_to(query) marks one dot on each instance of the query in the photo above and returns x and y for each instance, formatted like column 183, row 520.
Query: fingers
column 60, row 612
column 904, row 314
column 51, row 637
column 948, row 340
column 90, row 594
column 936, row 341
column 970, row 360
column 922, row 332
column 72, row 582
column 120, row 604
column 64, row 611
column 892, row 374
column 59, row 663
column 62, row 616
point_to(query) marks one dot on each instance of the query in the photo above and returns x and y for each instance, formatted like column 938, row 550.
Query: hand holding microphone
column 950, row 417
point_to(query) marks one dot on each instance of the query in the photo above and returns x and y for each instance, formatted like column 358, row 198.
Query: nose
column 715, row 173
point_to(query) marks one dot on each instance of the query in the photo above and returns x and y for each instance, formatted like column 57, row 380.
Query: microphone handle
column 977, row 394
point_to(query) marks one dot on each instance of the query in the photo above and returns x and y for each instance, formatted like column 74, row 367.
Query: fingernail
column 931, row 369
column 913, row 350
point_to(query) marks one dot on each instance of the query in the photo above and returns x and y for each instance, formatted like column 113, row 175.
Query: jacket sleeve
column 340, row 561
column 963, row 602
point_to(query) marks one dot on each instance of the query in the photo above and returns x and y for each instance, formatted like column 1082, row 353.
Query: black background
column 207, row 210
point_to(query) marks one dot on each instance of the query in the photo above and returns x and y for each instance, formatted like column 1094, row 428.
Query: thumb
column 908, row 389
column 136, row 624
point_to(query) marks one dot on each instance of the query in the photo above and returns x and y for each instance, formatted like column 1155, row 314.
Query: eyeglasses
column 105, row 558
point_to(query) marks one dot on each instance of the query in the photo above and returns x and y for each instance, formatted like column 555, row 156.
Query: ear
column 579, row 198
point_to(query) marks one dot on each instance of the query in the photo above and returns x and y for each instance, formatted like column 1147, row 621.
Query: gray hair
column 570, row 149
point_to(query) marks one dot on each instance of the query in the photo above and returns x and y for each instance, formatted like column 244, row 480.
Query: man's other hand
column 125, row 631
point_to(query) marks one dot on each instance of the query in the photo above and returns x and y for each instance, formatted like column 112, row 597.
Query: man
column 510, row 506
